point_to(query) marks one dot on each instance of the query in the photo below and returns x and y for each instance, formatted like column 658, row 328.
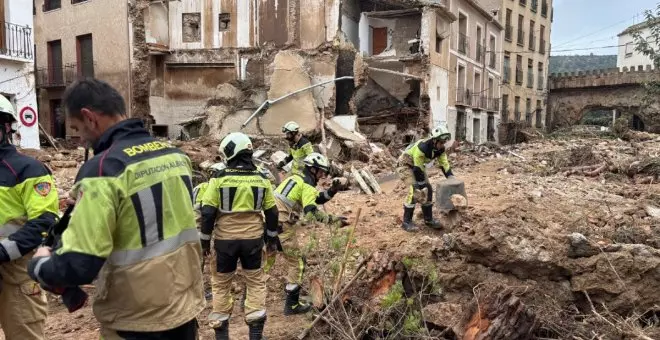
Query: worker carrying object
column 132, row 227
column 296, row 196
column 411, row 168
column 232, row 216
column 299, row 148
column 28, row 207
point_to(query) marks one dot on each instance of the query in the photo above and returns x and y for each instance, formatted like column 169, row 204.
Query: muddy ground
column 578, row 249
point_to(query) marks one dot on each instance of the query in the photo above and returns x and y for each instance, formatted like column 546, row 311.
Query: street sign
column 28, row 116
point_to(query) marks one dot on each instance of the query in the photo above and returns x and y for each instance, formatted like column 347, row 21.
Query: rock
column 289, row 75
column 332, row 147
column 580, row 246
column 445, row 315
column 342, row 133
column 348, row 122
column 652, row 211
column 226, row 93
column 384, row 131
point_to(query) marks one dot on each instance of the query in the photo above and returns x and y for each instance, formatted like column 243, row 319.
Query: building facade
column 474, row 87
column 525, row 59
column 77, row 39
column 17, row 67
column 627, row 56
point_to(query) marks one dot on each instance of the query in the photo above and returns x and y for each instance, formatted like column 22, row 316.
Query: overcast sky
column 593, row 23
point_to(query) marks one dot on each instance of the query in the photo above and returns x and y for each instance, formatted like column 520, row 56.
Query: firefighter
column 29, row 207
column 299, row 148
column 232, row 217
column 296, row 196
column 132, row 227
column 411, row 168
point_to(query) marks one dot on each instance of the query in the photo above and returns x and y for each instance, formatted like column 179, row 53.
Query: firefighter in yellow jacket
column 299, row 148
column 132, row 228
column 411, row 168
column 232, row 216
column 296, row 198
column 28, row 207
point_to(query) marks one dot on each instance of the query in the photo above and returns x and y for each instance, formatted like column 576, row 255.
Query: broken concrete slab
column 323, row 69
column 342, row 133
column 384, row 131
column 228, row 94
column 357, row 177
column 332, row 148
column 215, row 115
column 232, row 123
column 348, row 122
column 290, row 75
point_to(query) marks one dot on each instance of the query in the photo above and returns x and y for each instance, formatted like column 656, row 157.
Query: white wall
column 634, row 58
column 366, row 35
column 351, row 29
column 438, row 90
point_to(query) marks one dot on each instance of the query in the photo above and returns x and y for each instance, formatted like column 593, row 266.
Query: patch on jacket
column 42, row 188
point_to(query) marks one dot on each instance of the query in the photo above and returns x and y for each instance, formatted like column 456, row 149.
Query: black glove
column 273, row 243
column 206, row 247
column 281, row 165
column 339, row 221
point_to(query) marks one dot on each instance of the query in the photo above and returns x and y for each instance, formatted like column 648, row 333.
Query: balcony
column 463, row 97
column 16, row 41
column 463, row 43
column 542, row 46
column 49, row 77
column 544, row 9
column 491, row 61
column 519, row 76
column 479, row 101
column 480, row 53
column 530, row 79
column 508, row 32
column 521, row 37
column 541, row 82
column 507, row 75
column 532, row 42
column 493, row 104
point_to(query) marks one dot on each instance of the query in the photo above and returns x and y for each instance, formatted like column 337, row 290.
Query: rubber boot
column 256, row 329
column 427, row 210
column 408, row 224
column 293, row 304
column 222, row 332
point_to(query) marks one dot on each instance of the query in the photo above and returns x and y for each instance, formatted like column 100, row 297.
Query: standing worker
column 411, row 168
column 133, row 225
column 296, row 196
column 29, row 206
column 299, row 148
column 232, row 216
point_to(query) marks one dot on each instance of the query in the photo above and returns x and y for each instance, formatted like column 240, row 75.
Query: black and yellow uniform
column 297, row 153
column 29, row 207
column 133, row 226
column 232, row 216
column 411, row 168
column 297, row 197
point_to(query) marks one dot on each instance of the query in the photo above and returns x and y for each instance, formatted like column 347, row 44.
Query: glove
column 281, row 165
column 420, row 185
column 206, row 247
column 273, row 243
column 339, row 221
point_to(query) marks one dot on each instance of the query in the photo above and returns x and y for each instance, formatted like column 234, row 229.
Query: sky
column 580, row 24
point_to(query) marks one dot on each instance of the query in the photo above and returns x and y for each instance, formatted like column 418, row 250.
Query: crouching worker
column 132, row 228
column 296, row 196
column 411, row 168
column 232, row 216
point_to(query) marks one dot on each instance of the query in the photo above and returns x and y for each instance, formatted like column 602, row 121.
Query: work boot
column 293, row 304
column 427, row 210
column 408, row 224
column 222, row 332
column 256, row 329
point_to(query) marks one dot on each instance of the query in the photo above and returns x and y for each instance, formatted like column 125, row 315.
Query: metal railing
column 530, row 78
column 493, row 104
column 541, row 81
column 542, row 46
column 521, row 37
column 479, row 101
column 463, row 43
column 480, row 53
column 463, row 97
column 532, row 41
column 508, row 32
column 16, row 41
column 519, row 76
column 492, row 57
column 57, row 76
column 507, row 75
column 544, row 9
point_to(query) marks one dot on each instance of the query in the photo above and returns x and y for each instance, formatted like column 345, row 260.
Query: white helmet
column 441, row 132
column 8, row 112
column 317, row 160
column 290, row 127
column 234, row 143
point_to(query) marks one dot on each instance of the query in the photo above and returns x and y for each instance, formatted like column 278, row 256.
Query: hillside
column 573, row 63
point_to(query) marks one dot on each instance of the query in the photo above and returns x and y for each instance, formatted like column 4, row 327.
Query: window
column 528, row 111
column 493, row 51
column 532, row 36
column 541, row 82
column 50, row 5
column 77, row 1
column 480, row 48
column 539, row 116
column 191, row 27
column 508, row 32
column 523, row 3
column 519, row 70
column 438, row 43
column 505, row 108
column 542, row 39
column 55, row 71
column 530, row 73
column 477, row 83
column 85, row 51
column 534, row 5
column 225, row 21
column 517, row 108
column 629, row 50
column 462, row 34
column 507, row 69
column 544, row 8
column 521, row 33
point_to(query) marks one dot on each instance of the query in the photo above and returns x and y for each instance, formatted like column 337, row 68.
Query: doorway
column 57, row 118
column 490, row 126
column 636, row 123
column 476, row 130
column 379, row 40
column 460, row 125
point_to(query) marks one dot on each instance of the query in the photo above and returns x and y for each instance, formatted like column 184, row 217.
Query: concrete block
column 348, row 122
column 232, row 123
column 332, row 148
column 289, row 75
column 342, row 133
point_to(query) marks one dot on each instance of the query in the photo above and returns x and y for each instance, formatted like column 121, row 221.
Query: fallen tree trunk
column 501, row 317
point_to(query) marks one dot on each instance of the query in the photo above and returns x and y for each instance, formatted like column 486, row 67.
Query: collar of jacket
column 301, row 142
column 132, row 127
column 7, row 149
column 308, row 177
column 429, row 150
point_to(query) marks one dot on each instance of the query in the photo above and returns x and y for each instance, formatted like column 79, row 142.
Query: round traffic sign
column 28, row 116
